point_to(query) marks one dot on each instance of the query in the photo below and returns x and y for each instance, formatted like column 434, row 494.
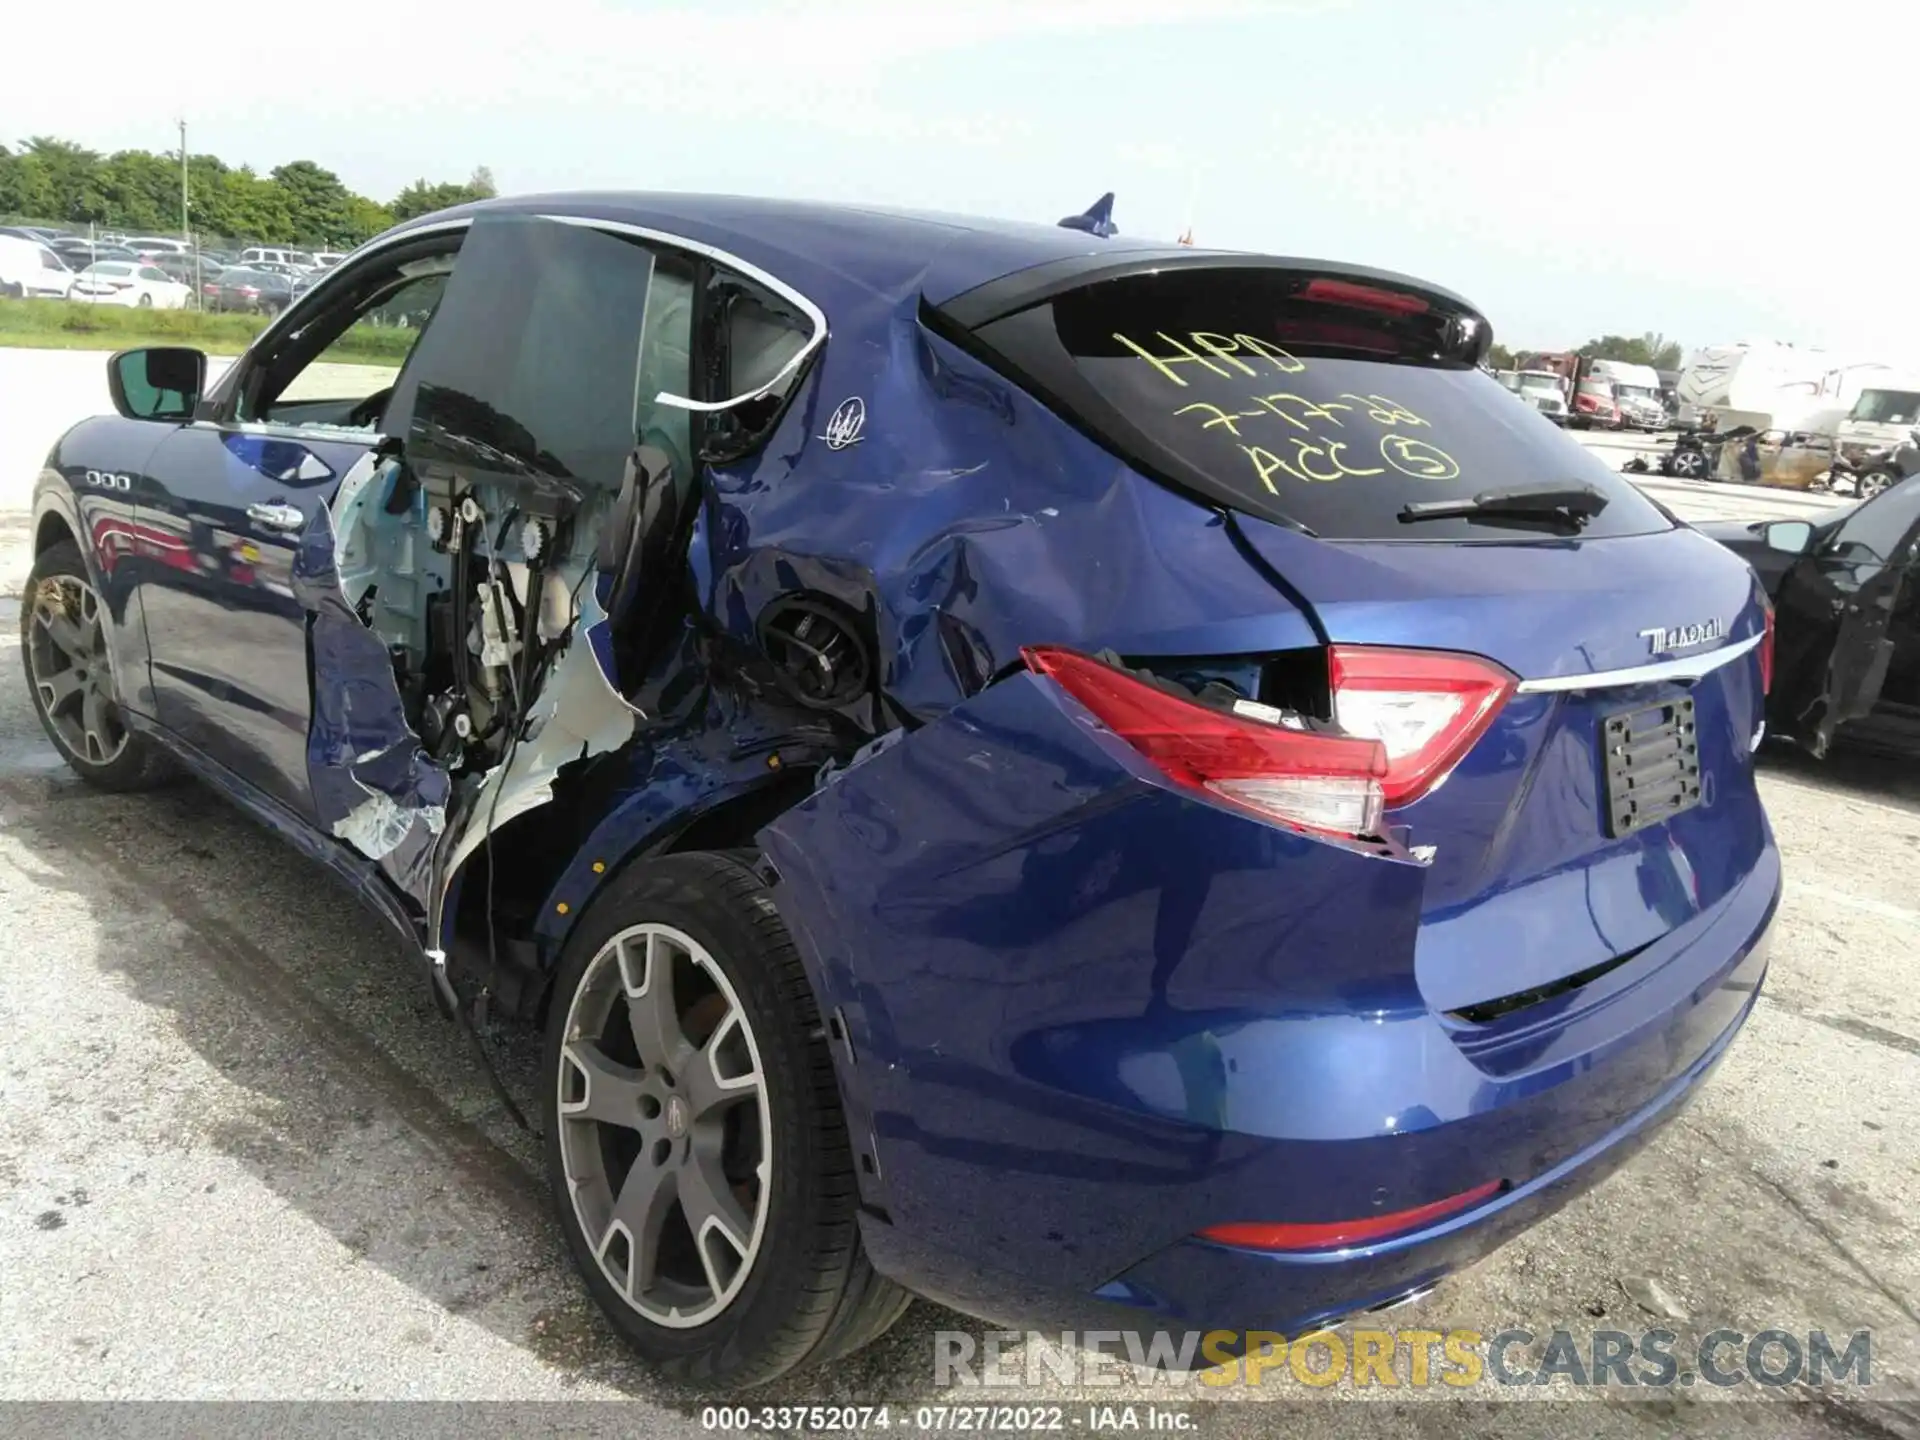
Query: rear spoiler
column 1038, row 284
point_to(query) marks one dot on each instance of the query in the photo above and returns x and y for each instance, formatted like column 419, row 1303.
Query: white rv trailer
column 1772, row 386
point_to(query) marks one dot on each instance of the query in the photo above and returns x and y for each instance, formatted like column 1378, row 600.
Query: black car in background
column 1846, row 596
column 243, row 290
column 80, row 252
column 188, row 269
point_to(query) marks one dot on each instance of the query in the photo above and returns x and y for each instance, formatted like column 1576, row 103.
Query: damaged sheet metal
column 374, row 785
column 577, row 714
column 968, row 523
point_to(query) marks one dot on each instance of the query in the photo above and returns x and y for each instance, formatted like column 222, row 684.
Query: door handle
column 277, row 515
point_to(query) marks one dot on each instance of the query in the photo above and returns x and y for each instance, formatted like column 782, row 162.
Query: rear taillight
column 1427, row 707
column 1323, row 782
column 1405, row 717
column 1766, row 648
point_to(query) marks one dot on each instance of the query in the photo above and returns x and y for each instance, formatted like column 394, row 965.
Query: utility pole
column 186, row 233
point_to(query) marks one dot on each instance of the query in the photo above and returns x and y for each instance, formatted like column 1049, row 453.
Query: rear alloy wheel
column 1873, row 482
column 696, row 1148
column 663, row 1118
column 65, row 642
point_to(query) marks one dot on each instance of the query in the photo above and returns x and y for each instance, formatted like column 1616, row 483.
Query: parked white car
column 157, row 245
column 122, row 282
column 31, row 271
column 275, row 255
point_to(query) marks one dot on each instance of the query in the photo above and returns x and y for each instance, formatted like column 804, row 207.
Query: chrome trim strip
column 1687, row 668
column 815, row 315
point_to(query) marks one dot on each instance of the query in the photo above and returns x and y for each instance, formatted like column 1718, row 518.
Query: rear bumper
column 1087, row 1018
column 1198, row 1285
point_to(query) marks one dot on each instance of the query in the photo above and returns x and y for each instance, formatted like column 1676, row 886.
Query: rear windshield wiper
column 1573, row 505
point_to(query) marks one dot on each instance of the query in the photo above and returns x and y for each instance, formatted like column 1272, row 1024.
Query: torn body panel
column 460, row 654
column 374, row 785
column 968, row 522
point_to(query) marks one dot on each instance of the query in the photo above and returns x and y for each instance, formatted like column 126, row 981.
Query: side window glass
column 756, row 336
column 1873, row 533
column 361, row 363
column 532, row 366
column 666, row 363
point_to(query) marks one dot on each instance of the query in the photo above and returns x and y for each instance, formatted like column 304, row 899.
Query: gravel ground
column 241, row 1158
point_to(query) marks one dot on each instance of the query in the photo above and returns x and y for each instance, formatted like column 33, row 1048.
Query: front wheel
column 146, row 302
column 64, row 641
column 1689, row 464
column 695, row 1144
column 1872, row 483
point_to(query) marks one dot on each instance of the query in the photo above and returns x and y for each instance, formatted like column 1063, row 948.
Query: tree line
column 1648, row 349
column 138, row 191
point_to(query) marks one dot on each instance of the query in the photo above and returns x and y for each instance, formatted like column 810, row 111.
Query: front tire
column 1872, row 483
column 1689, row 465
column 695, row 1144
column 64, row 645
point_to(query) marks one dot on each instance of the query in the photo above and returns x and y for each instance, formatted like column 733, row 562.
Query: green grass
column 72, row 325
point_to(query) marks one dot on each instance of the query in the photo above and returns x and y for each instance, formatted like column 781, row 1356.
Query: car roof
column 882, row 250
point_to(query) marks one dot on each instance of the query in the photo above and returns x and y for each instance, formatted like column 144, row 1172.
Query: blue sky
column 1693, row 167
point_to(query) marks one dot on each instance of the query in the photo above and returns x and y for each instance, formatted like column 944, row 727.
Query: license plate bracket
column 1652, row 764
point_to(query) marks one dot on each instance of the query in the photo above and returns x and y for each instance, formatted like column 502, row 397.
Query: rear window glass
column 1311, row 400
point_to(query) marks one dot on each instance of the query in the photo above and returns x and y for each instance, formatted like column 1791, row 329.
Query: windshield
column 1635, row 392
column 1888, row 407
column 1300, row 398
column 1547, row 383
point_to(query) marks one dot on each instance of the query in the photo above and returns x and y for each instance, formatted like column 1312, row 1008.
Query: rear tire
column 146, row 302
column 1872, row 483
column 65, row 648
column 750, row 1147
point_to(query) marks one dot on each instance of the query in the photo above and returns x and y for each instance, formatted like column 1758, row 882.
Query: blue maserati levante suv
column 1105, row 784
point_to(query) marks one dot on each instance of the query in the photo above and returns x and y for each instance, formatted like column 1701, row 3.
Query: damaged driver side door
column 473, row 558
column 1835, row 605
column 231, row 500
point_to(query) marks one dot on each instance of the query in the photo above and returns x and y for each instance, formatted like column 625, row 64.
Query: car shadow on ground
column 1866, row 774
column 282, row 984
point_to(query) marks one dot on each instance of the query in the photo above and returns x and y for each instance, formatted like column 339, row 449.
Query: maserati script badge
column 1661, row 639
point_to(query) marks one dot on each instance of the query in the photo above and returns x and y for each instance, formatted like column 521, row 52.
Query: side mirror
column 1790, row 537
column 160, row 382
